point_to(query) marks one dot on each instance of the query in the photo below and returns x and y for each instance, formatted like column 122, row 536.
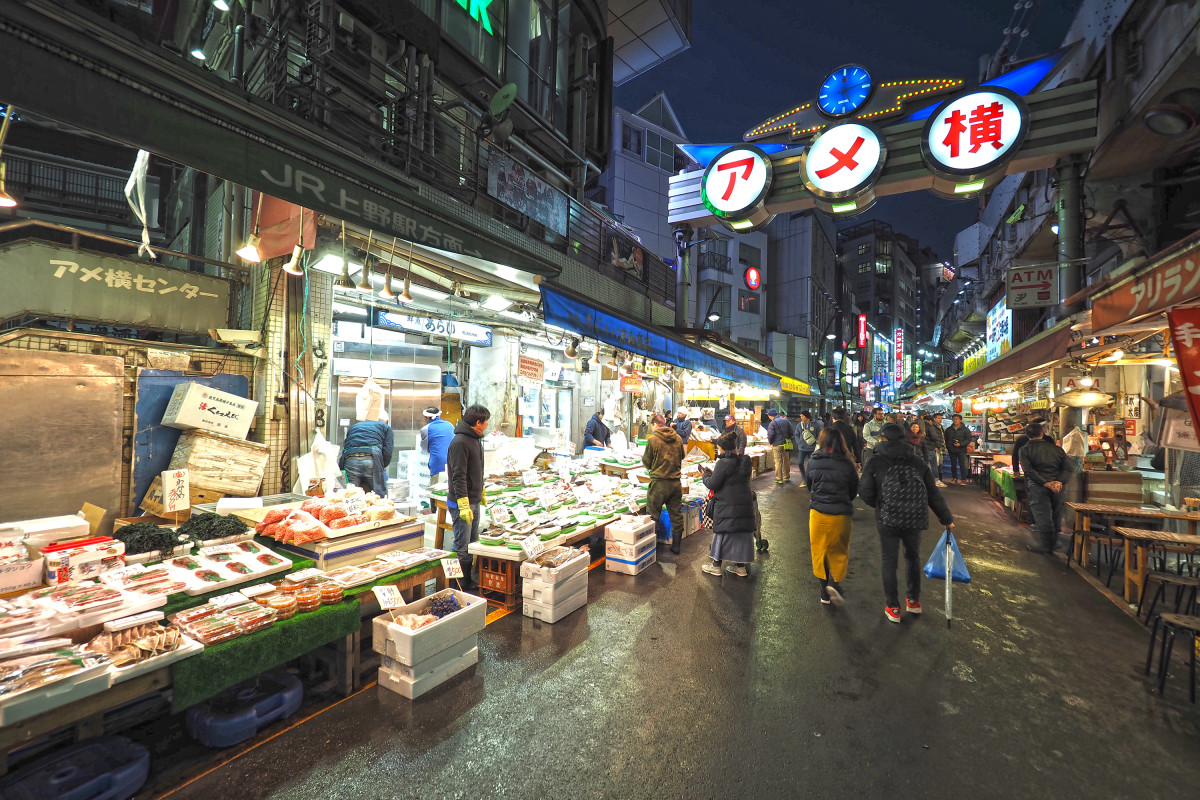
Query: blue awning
column 573, row 314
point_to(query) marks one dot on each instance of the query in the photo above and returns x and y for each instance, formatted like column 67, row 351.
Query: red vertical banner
column 862, row 330
column 1185, row 340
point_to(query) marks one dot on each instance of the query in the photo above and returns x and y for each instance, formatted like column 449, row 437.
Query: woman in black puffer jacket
column 732, row 510
column 833, row 484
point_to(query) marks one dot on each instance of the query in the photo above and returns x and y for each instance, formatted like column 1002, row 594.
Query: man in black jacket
column 900, row 486
column 464, row 467
column 1047, row 470
column 843, row 426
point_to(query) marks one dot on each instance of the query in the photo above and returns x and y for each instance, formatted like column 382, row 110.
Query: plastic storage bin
column 240, row 712
column 107, row 768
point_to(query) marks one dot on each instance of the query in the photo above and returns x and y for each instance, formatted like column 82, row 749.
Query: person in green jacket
column 663, row 459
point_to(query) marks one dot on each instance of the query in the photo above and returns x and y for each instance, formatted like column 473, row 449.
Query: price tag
column 355, row 505
column 510, row 463
column 501, row 515
column 520, row 514
column 255, row 591
column 304, row 574
column 219, row 549
column 389, row 597
column 452, row 567
column 231, row 599
column 564, row 472
column 533, row 546
column 529, row 477
column 176, row 495
column 119, row 575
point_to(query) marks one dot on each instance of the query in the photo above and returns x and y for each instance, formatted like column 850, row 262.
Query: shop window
column 749, row 255
column 749, row 344
column 631, row 139
column 748, row 302
column 883, row 266
column 534, row 41
column 883, row 307
column 864, row 248
column 660, row 152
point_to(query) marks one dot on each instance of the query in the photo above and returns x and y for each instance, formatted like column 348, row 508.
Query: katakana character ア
column 744, row 164
column 143, row 284
column 373, row 212
column 90, row 274
column 118, row 279
column 62, row 267
column 189, row 291
column 986, row 126
column 956, row 121
column 1187, row 333
column 1172, row 280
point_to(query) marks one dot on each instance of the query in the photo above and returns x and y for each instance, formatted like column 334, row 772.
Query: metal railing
column 43, row 183
column 713, row 260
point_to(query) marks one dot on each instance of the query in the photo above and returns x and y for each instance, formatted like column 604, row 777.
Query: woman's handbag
column 706, row 511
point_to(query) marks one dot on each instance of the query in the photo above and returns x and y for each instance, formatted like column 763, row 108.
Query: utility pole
column 683, row 241
column 1070, row 254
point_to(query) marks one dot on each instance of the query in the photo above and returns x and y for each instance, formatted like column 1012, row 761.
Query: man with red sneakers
column 900, row 486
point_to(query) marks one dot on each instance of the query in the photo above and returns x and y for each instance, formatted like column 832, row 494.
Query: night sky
column 752, row 59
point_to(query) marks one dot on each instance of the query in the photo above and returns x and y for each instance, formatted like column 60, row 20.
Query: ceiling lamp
column 570, row 351
column 405, row 294
column 1087, row 381
column 831, row 336
column 1169, row 119
column 221, row 5
column 364, row 281
column 1081, row 398
column 1116, row 355
column 293, row 266
column 495, row 302
column 6, row 199
column 249, row 251
column 386, row 292
column 343, row 281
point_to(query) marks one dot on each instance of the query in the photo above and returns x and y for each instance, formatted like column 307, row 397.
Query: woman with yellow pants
column 832, row 484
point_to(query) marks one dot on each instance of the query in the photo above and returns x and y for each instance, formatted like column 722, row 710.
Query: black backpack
column 903, row 498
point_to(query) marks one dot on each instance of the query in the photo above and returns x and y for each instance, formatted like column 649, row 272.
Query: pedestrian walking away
column 1048, row 469
column 832, row 485
column 464, row 465
column 732, row 510
column 900, row 486
column 806, row 440
column 958, row 440
column 663, row 460
column 779, row 436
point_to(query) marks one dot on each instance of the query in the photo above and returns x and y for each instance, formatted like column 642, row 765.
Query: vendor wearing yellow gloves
column 464, row 465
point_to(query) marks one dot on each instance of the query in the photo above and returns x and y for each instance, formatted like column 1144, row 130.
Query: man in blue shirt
column 683, row 426
column 366, row 454
column 435, row 440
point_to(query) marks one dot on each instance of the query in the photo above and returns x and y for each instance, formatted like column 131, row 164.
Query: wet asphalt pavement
column 679, row 684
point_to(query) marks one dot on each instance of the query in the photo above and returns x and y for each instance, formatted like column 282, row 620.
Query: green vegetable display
column 146, row 537
column 208, row 526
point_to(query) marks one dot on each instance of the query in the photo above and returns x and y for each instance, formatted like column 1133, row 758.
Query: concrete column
column 1070, row 255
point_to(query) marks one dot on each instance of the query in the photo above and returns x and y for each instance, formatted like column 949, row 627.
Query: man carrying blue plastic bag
column 900, row 486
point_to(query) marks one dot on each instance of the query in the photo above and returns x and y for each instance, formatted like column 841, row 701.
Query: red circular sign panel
column 753, row 278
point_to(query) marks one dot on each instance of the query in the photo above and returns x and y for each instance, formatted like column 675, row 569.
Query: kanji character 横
column 189, row 291
column 63, row 267
column 986, row 126
column 1186, row 334
column 144, row 284
column 956, row 121
column 90, row 274
column 118, row 279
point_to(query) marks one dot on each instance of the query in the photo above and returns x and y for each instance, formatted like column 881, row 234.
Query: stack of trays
column 416, row 661
column 630, row 545
column 551, row 593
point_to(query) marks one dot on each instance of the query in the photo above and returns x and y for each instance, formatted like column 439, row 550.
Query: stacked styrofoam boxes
column 413, row 466
column 416, row 661
column 630, row 544
column 551, row 593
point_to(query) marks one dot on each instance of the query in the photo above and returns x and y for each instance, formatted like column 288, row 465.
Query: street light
column 713, row 317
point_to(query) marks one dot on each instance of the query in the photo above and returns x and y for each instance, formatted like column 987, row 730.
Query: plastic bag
column 936, row 566
column 318, row 470
column 369, row 402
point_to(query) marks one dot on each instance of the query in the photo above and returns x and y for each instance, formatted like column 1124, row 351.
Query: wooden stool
column 1182, row 583
column 1173, row 624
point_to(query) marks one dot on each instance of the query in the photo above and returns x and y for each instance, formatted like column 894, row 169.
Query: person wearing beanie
column 731, row 507
column 901, row 487
column 731, row 426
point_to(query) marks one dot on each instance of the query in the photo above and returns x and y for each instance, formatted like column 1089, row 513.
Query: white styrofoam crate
column 631, row 552
column 631, row 567
column 553, row 613
column 414, row 688
column 628, row 530
column 23, row 705
column 551, row 593
column 435, row 662
column 568, row 569
column 413, row 647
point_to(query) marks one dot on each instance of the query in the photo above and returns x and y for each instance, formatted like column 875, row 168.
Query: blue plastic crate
column 107, row 768
column 238, row 713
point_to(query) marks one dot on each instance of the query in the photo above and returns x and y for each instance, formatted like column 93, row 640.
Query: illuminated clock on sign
column 844, row 91
column 973, row 134
column 753, row 278
column 735, row 186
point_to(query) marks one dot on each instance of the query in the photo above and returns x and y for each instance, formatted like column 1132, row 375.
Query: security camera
column 683, row 235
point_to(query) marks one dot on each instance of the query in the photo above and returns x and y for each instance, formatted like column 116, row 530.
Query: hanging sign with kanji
column 1185, row 342
column 1033, row 287
column 974, row 134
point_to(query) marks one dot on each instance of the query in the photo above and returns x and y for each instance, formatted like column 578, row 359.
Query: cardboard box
column 196, row 407
column 224, row 464
column 152, row 503
column 20, row 576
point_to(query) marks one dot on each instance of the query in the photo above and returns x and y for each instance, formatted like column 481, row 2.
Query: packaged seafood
column 284, row 605
column 40, row 669
column 214, row 629
column 308, row 598
column 185, row 618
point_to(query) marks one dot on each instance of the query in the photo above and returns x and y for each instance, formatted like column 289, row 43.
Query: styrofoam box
column 46, row 530
column 568, row 569
column 23, row 705
column 418, row 671
column 413, row 647
column 631, row 567
column 551, row 593
column 553, row 613
column 414, row 688
column 629, row 530
column 631, row 552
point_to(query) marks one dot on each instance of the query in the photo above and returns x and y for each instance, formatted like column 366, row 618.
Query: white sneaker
column 835, row 596
column 939, row 484
column 711, row 569
column 738, row 570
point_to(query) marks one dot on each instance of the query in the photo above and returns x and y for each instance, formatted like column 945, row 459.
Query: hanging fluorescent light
column 713, row 317
column 421, row 291
column 495, row 302
column 221, row 5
